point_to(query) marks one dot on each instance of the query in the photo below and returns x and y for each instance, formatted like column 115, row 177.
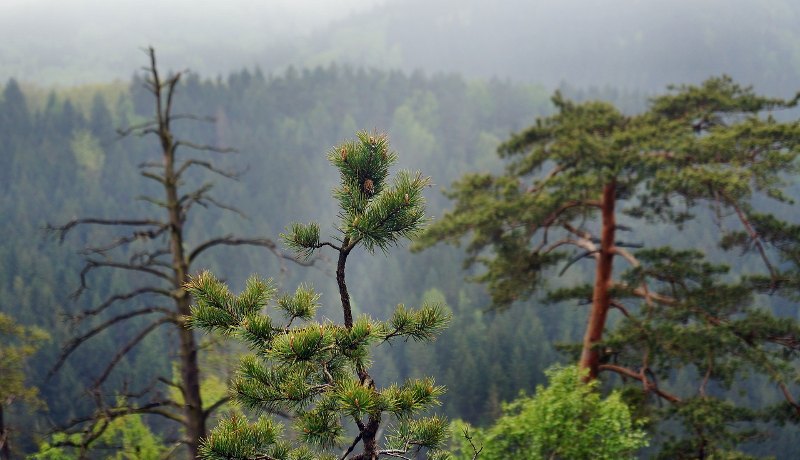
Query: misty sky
column 48, row 41
column 633, row 44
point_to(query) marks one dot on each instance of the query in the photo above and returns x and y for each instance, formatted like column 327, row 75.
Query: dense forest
column 63, row 159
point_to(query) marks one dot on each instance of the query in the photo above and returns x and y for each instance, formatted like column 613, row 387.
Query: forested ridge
column 281, row 127
column 63, row 159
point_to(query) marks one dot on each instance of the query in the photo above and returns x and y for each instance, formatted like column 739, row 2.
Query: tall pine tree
column 574, row 177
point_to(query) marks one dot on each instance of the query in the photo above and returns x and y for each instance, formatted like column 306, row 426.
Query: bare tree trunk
column 190, row 370
column 190, row 382
column 4, row 447
column 601, row 299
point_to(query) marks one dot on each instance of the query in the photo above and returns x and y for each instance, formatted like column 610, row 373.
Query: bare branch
column 92, row 264
column 216, row 405
column 124, row 350
column 626, row 255
column 621, row 308
column 543, row 182
column 207, row 164
column 231, row 241
column 136, row 128
column 120, row 297
column 155, row 177
column 469, row 438
column 751, row 231
column 62, row 230
column 707, row 377
column 203, row 147
column 649, row 385
column 185, row 116
column 352, row 446
column 71, row 345
column 123, row 240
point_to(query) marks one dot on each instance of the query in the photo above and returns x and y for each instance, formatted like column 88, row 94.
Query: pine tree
column 318, row 372
column 716, row 144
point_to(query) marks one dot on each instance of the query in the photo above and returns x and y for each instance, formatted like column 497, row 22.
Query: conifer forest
column 370, row 229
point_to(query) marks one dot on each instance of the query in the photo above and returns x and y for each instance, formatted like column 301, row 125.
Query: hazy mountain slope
column 632, row 44
column 625, row 43
column 66, row 43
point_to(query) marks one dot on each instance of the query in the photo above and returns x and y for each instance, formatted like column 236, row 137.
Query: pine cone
column 369, row 187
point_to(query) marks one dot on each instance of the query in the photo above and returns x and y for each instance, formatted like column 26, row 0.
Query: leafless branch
column 648, row 384
column 707, row 377
column 469, row 438
column 125, row 349
column 621, row 308
column 202, row 147
column 543, row 182
column 751, row 231
column 207, row 164
column 71, row 345
column 61, row 230
column 216, row 406
column 123, row 240
column 92, row 264
column 120, row 297
column 352, row 446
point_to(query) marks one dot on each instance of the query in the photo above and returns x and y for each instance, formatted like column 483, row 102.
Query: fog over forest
column 535, row 118
column 628, row 44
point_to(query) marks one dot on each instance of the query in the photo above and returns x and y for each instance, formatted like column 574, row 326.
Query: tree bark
column 601, row 299
column 5, row 450
column 189, row 367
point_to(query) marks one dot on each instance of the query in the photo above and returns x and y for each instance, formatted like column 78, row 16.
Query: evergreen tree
column 716, row 144
column 319, row 371
column 157, row 249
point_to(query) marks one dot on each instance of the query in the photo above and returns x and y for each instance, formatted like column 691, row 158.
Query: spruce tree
column 572, row 179
column 317, row 372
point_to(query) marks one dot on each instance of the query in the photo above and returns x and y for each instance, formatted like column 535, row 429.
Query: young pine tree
column 318, row 372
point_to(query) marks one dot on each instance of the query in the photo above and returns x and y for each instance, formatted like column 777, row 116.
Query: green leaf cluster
column 569, row 419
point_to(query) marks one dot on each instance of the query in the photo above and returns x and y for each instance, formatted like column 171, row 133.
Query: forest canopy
column 701, row 178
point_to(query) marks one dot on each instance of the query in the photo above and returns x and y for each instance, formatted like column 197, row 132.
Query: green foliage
column 567, row 420
column 700, row 155
column 126, row 438
column 319, row 370
column 17, row 344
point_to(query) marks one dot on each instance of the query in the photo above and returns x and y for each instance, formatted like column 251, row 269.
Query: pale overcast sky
column 61, row 41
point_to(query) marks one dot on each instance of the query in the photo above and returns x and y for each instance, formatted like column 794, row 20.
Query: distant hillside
column 632, row 44
column 625, row 44
column 50, row 42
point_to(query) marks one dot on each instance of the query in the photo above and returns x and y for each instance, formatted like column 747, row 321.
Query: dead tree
column 166, row 263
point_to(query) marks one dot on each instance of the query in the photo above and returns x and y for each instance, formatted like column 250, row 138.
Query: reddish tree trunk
column 601, row 299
